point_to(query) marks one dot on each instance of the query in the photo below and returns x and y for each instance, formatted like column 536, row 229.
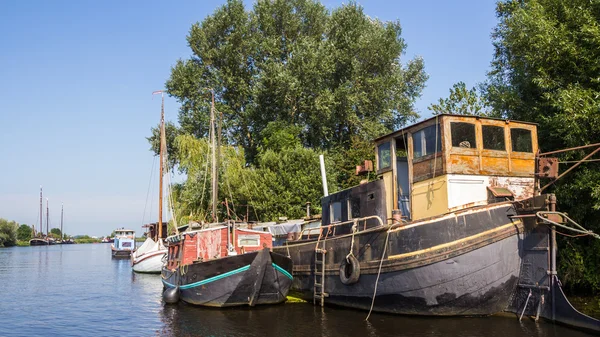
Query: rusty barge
column 455, row 224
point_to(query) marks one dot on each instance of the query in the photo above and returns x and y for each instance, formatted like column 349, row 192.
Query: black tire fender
column 350, row 270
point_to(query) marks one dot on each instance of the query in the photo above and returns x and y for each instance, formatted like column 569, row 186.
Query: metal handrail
column 320, row 228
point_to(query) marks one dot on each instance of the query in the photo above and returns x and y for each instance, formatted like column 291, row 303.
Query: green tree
column 171, row 132
column 545, row 70
column 462, row 101
column 8, row 233
column 24, row 233
column 55, row 232
column 333, row 74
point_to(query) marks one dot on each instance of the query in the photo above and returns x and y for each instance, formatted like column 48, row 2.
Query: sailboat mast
column 41, row 212
column 62, row 209
column 47, row 216
column 214, row 158
column 162, row 145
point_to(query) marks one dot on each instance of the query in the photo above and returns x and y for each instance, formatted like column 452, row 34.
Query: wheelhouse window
column 521, row 140
column 463, row 135
column 353, row 208
column 335, row 211
column 424, row 142
column 493, row 138
column 384, row 155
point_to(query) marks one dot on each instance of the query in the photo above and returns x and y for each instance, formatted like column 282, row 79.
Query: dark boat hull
column 121, row 253
column 254, row 278
column 465, row 264
column 476, row 283
column 38, row 242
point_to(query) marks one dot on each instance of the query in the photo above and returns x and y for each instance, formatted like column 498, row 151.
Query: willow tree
column 334, row 74
column 546, row 69
column 285, row 177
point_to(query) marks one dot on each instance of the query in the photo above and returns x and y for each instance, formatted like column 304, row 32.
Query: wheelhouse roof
column 418, row 124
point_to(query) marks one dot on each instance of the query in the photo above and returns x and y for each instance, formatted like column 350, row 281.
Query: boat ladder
column 319, row 293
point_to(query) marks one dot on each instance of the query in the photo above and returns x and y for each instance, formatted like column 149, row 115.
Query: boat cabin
column 440, row 165
column 124, row 239
column 192, row 246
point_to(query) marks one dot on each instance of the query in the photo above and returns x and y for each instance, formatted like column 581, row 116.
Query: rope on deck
column 579, row 229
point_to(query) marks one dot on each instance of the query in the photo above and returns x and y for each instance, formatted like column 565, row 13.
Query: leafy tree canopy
column 333, row 75
column 462, row 101
column 8, row 233
column 24, row 233
column 55, row 232
column 545, row 70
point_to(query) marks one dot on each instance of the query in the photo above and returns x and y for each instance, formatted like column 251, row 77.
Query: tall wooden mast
column 41, row 213
column 214, row 158
column 62, row 209
column 162, row 145
column 47, row 217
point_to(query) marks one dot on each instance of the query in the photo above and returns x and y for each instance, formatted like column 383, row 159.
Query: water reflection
column 79, row 290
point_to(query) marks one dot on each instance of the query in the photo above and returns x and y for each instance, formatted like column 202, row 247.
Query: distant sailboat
column 62, row 235
column 148, row 258
column 40, row 240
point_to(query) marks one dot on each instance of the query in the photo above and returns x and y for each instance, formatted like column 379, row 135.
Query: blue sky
column 76, row 79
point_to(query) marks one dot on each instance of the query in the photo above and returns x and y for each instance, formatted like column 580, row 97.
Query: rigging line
column 148, row 191
column 436, row 147
column 170, row 201
column 577, row 161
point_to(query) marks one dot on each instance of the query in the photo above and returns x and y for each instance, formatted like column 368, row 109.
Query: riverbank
column 588, row 305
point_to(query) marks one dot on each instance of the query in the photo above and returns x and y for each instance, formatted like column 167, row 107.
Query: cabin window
column 126, row 244
column 521, row 140
column 353, row 208
column 385, row 156
column 463, row 135
column 335, row 211
column 493, row 137
column 249, row 240
column 424, row 141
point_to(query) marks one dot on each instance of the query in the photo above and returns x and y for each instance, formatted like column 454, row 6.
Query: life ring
column 349, row 270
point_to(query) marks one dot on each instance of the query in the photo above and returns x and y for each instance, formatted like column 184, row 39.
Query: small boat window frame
column 515, row 139
column 384, row 152
column 456, row 136
column 333, row 207
column 425, row 140
column 485, row 137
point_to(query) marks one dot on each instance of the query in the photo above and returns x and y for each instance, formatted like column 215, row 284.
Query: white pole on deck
column 323, row 176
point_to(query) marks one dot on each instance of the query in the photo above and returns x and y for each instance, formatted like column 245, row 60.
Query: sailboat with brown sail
column 221, row 265
column 148, row 258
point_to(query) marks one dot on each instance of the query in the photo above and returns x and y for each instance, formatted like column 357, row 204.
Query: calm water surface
column 79, row 290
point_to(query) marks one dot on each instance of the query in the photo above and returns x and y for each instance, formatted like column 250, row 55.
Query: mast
column 62, row 209
column 47, row 216
column 41, row 212
column 214, row 158
column 161, row 151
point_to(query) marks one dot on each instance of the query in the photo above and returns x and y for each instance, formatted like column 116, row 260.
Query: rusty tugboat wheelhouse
column 456, row 225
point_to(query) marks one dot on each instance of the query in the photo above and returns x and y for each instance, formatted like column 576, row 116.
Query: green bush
column 8, row 233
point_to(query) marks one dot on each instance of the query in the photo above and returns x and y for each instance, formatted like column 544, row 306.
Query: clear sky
column 76, row 79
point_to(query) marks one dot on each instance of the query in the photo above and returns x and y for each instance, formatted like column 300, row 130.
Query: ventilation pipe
column 323, row 175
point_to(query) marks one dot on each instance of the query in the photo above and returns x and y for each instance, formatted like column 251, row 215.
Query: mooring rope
column 579, row 228
column 378, row 273
column 354, row 230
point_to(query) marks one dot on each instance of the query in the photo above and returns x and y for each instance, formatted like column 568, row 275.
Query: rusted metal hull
column 466, row 263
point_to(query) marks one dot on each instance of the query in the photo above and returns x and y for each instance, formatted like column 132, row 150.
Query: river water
column 79, row 290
